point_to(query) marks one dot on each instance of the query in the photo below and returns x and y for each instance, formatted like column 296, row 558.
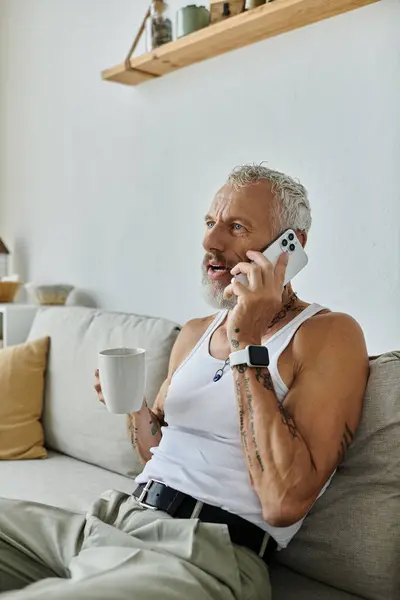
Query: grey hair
column 293, row 209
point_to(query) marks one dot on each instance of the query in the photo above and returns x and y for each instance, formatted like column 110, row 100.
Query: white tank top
column 200, row 452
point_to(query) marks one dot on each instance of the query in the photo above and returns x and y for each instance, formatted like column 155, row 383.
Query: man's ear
column 302, row 237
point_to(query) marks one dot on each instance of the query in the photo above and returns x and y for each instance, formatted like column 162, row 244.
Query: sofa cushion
column 59, row 481
column 288, row 585
column 75, row 423
column 351, row 538
column 22, row 370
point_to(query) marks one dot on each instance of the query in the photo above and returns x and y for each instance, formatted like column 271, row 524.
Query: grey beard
column 213, row 294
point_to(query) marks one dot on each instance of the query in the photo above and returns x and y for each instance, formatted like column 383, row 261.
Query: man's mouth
column 217, row 271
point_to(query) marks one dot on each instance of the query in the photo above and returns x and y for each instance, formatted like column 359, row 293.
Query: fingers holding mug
column 97, row 386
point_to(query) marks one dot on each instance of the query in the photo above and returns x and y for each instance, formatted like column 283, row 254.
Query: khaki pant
column 121, row 551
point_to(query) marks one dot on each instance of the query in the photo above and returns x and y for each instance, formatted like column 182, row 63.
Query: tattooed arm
column 145, row 425
column 292, row 448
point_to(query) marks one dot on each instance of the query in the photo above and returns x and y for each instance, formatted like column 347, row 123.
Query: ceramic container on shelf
column 191, row 18
column 8, row 290
column 50, row 295
column 254, row 3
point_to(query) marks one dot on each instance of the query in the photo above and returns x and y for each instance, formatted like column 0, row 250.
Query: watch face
column 259, row 356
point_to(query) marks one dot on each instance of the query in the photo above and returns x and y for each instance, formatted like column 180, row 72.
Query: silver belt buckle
column 264, row 544
column 142, row 498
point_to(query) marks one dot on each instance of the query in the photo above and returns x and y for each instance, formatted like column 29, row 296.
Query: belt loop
column 264, row 544
column 197, row 509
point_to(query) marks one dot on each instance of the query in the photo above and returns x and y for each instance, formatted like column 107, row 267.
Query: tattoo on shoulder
column 264, row 376
column 288, row 420
column 347, row 438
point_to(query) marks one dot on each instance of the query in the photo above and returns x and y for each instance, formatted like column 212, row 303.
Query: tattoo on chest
column 347, row 438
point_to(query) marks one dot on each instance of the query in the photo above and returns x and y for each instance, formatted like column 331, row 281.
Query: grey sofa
column 349, row 545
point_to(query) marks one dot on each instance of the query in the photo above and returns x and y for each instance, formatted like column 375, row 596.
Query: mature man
column 247, row 449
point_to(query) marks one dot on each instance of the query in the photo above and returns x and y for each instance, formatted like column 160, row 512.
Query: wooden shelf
column 252, row 26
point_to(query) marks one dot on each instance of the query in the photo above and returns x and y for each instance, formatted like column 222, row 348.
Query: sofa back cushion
column 351, row 538
column 75, row 423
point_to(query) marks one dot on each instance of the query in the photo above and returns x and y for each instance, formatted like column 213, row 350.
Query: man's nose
column 215, row 239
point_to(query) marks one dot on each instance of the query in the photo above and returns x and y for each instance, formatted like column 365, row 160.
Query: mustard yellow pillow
column 22, row 370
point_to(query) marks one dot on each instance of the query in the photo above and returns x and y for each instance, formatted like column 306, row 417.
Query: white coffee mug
column 122, row 373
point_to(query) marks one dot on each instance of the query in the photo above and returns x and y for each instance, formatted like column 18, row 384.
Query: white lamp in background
column 4, row 260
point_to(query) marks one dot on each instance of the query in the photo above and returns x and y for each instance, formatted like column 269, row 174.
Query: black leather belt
column 158, row 496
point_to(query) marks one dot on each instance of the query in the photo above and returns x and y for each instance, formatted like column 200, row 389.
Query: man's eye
column 237, row 227
column 209, row 224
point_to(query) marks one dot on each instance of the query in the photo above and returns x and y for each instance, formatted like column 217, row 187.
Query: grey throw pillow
column 351, row 538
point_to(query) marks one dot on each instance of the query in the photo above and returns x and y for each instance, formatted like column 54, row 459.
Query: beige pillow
column 22, row 370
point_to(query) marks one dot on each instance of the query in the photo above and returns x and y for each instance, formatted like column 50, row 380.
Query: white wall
column 105, row 186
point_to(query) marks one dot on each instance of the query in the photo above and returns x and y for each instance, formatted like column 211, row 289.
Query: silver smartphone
column 287, row 242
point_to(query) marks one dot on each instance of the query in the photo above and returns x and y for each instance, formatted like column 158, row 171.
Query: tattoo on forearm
column 345, row 443
column 155, row 422
column 249, row 398
column 288, row 420
column 155, row 427
column 243, row 433
column 235, row 343
column 264, row 376
column 133, row 431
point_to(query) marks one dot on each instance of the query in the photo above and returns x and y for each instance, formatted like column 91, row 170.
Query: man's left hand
column 258, row 303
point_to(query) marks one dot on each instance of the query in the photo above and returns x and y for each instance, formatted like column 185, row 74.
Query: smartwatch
column 253, row 356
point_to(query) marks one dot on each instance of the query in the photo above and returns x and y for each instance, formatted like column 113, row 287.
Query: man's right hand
column 97, row 387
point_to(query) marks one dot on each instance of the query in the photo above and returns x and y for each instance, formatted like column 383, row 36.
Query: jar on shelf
column 254, row 3
column 191, row 18
column 159, row 27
